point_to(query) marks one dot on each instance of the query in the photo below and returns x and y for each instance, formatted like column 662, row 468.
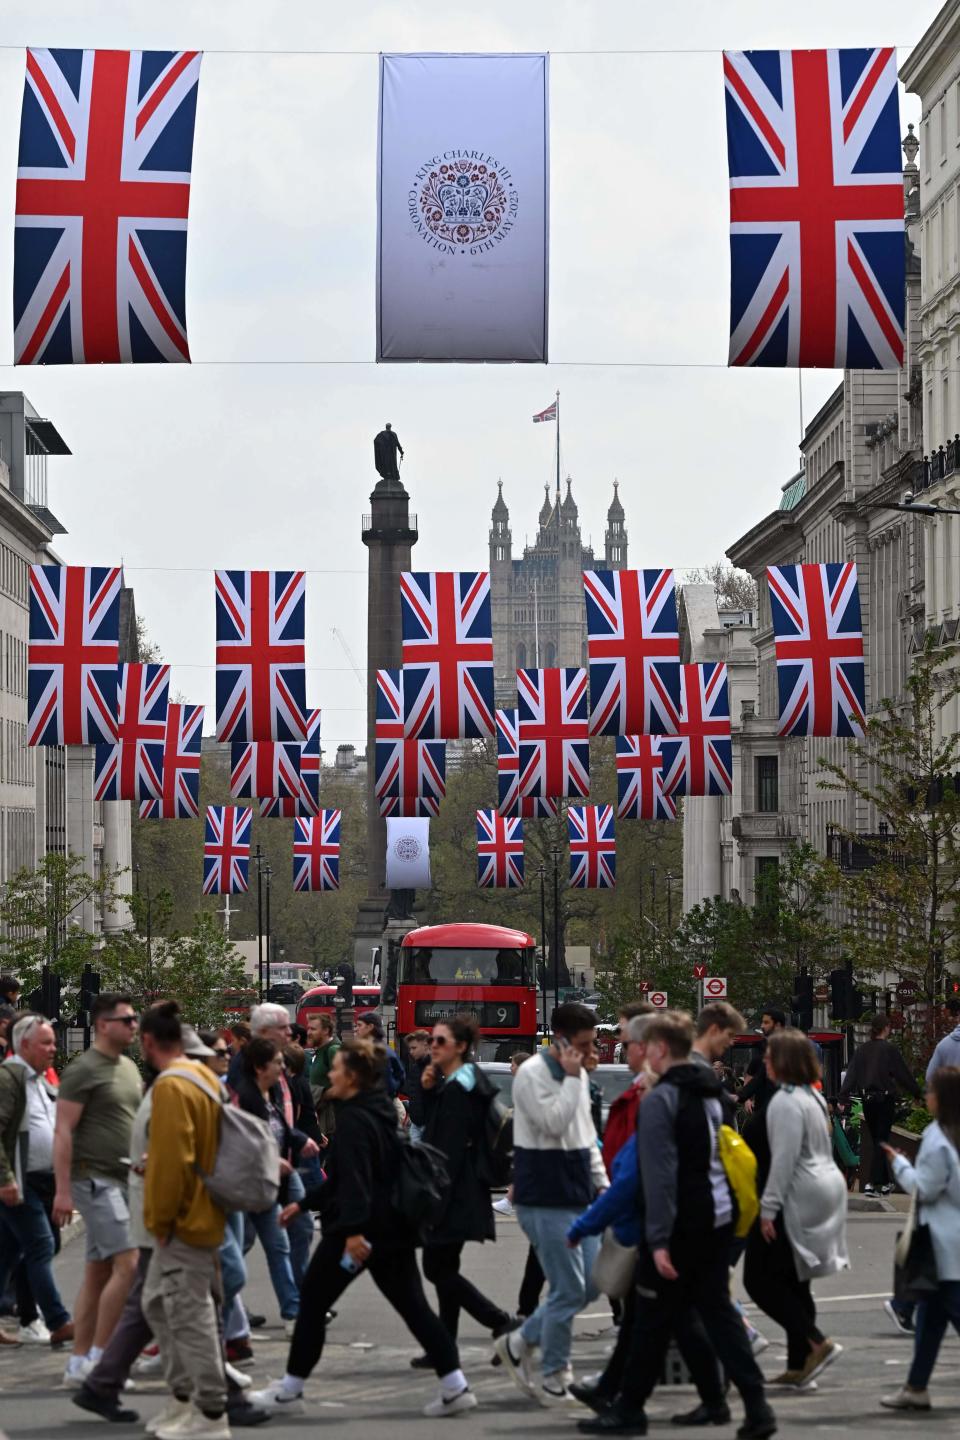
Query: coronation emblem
column 407, row 849
column 463, row 201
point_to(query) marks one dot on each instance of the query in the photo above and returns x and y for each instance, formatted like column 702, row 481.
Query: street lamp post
column 669, row 901
column 555, row 853
column 258, row 856
column 268, row 875
column 542, row 872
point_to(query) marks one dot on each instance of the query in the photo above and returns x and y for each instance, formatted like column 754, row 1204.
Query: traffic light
column 846, row 1001
column 801, row 1002
column 89, row 986
column 45, row 1000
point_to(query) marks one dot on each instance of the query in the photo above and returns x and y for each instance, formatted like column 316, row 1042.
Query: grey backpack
column 246, row 1171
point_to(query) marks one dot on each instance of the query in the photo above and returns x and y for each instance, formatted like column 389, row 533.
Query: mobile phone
column 562, row 1043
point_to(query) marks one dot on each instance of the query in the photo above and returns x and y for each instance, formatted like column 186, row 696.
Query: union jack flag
column 264, row 769
column 180, row 797
column 316, row 852
column 818, row 639
column 310, row 767
column 499, row 851
column 409, row 805
column 593, row 849
column 226, row 849
column 634, row 649
column 74, row 654
column 447, row 654
column 283, row 808
column 404, row 767
column 509, row 800
column 817, row 254
column 549, row 414
column 103, row 190
column 640, row 792
column 261, row 679
column 132, row 769
column 699, row 760
column 552, row 730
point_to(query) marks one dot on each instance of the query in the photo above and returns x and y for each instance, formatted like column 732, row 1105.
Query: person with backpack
column 457, row 1097
column 364, row 1229
column 879, row 1074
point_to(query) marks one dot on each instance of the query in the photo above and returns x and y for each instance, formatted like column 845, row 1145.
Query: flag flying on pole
column 593, row 850
column 103, row 190
column 817, row 254
column 509, row 800
column 264, row 769
column 698, row 758
column 462, row 234
column 261, row 685
column 132, row 769
column 408, row 854
column 818, row 640
column 180, row 797
column 226, row 849
column 403, row 767
column 549, row 414
column 316, row 852
column 310, row 767
column 499, row 851
column 553, row 732
column 73, row 655
column 447, row 654
column 640, row 791
column 634, row 649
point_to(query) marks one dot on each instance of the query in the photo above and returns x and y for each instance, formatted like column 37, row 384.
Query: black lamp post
column 670, row 879
column 268, row 876
column 542, row 873
column 555, row 853
column 258, row 856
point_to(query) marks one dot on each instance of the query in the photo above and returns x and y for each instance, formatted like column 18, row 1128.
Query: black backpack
column 421, row 1184
column 495, row 1150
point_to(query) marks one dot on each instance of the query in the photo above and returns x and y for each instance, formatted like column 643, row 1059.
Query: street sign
column 699, row 971
column 644, row 987
column 907, row 989
column 821, row 993
column 658, row 999
column 715, row 987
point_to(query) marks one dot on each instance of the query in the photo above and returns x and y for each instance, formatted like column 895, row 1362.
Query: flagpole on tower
column 558, row 457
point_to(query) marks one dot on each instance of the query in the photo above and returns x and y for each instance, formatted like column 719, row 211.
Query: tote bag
column 614, row 1267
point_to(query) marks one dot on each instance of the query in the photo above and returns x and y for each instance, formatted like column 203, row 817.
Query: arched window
column 521, row 656
column 551, row 655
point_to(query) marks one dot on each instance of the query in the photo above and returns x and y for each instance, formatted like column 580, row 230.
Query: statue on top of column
column 386, row 448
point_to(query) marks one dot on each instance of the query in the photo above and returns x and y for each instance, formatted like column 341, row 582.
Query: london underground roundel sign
column 658, row 999
column 715, row 987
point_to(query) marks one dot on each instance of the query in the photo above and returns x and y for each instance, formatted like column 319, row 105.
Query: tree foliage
column 733, row 587
column 38, row 915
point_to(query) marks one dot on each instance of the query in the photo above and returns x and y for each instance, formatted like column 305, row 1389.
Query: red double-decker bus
column 487, row 971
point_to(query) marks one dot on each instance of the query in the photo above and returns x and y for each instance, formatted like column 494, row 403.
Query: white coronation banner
column 408, row 854
column 463, row 204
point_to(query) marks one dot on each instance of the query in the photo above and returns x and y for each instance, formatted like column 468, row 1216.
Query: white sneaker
column 277, row 1400
column 515, row 1354
column 195, row 1426
column 36, row 1333
column 445, row 1405
column 553, row 1394
column 149, row 1365
column 906, row 1399
column 174, row 1411
column 242, row 1381
column 503, row 1206
column 76, row 1372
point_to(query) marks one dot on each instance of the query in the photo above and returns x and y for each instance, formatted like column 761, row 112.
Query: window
column 768, row 783
column 766, row 880
column 942, row 107
column 925, row 146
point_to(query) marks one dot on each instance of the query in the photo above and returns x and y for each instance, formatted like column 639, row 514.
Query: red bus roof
column 317, row 990
column 462, row 937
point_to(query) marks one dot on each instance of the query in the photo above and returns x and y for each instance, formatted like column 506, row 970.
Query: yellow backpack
column 740, row 1165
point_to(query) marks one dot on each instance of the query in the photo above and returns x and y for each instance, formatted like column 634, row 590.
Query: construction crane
column 349, row 654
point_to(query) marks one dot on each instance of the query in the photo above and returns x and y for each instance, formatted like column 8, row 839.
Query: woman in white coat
column 935, row 1180
column 801, row 1232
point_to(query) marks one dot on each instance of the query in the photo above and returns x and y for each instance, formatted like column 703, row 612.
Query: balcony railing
column 944, row 461
column 861, row 852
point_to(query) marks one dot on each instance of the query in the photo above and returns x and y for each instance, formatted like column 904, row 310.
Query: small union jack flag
column 404, row 767
column 818, row 639
column 698, row 760
column 310, row 767
column 74, row 655
column 509, row 800
column 261, row 684
column 180, row 797
column 264, row 769
column 316, row 852
column 226, row 850
column 549, row 414
column 132, row 769
column 103, row 189
column 640, row 792
column 499, row 851
column 817, row 254
column 593, row 849
column 447, row 654
column 634, row 649
column 553, row 732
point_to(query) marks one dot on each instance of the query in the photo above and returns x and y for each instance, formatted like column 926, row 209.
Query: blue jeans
column 300, row 1230
column 568, row 1273
column 933, row 1316
column 276, row 1247
column 26, row 1233
column 233, row 1270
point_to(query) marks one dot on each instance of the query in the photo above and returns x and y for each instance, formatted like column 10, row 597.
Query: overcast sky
column 269, row 465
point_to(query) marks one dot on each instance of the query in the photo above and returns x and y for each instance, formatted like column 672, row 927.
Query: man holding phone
column 557, row 1172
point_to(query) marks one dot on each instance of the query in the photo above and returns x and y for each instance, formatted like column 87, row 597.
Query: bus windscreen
column 427, row 966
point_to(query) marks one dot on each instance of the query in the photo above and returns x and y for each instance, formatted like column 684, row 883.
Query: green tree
column 40, row 923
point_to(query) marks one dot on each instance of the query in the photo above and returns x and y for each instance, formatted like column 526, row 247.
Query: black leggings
column 878, row 1116
column 441, row 1266
column 395, row 1275
column 531, row 1285
column 771, row 1280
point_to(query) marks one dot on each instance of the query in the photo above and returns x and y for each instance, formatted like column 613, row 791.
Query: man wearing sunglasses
column 98, row 1098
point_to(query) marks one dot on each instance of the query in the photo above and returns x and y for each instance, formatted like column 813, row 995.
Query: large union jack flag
column 74, row 655
column 264, row 769
column 132, row 769
column 226, row 849
column 640, row 792
column 553, row 732
column 818, row 640
column 634, row 650
column 447, row 654
column 261, row 679
column 509, row 800
column 404, row 767
column 103, row 190
column 817, row 255
column 316, row 852
column 180, row 796
column 593, row 848
column 698, row 760
column 310, row 767
column 499, row 851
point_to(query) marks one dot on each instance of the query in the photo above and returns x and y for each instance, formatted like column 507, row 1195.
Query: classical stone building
column 539, row 618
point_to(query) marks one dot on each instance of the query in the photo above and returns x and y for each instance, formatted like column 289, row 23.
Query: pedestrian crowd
column 217, row 1141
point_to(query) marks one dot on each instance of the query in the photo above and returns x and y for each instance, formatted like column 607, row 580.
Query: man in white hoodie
column 948, row 1051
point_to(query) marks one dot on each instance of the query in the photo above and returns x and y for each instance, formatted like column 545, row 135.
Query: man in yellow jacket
column 182, row 1290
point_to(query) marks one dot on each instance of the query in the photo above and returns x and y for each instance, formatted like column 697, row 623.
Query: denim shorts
column 106, row 1216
